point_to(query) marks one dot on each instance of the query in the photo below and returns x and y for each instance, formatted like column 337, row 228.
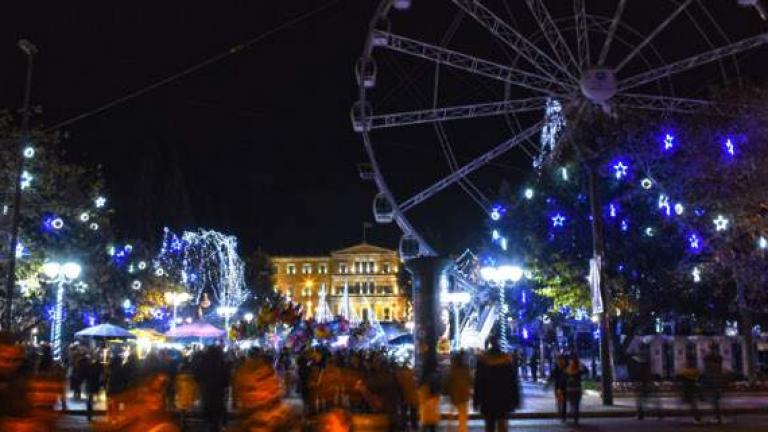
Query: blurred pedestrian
column 689, row 387
column 573, row 389
column 459, row 387
column 558, row 380
column 713, row 379
column 496, row 387
column 534, row 365
column 429, row 403
column 646, row 387
column 212, row 376
column 409, row 404
column 93, row 374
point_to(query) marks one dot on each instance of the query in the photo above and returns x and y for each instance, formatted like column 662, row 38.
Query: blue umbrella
column 403, row 339
column 106, row 331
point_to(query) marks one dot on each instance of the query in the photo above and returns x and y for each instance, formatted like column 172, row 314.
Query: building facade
column 367, row 272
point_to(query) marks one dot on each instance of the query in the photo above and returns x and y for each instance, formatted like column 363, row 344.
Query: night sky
column 258, row 144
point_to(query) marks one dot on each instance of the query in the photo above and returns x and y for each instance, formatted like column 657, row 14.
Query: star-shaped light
column 100, row 202
column 669, row 142
column 621, row 170
column 693, row 240
column 721, row 223
column 696, row 273
column 612, row 210
column 558, row 220
column 624, row 225
column 729, row 147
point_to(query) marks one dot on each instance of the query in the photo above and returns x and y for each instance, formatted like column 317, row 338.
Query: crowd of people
column 285, row 390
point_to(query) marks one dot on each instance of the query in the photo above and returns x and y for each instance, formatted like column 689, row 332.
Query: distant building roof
column 362, row 249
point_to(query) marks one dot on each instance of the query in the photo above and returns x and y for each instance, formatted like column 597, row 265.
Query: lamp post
column 175, row 299
column 499, row 277
column 10, row 283
column 61, row 274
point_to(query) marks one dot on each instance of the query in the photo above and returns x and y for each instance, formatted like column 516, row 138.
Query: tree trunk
column 598, row 249
column 745, row 327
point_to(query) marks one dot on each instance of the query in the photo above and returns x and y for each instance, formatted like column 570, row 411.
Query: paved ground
column 750, row 423
column 538, row 402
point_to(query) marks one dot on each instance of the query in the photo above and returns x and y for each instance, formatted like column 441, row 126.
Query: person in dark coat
column 713, row 380
column 558, row 380
column 573, row 390
column 496, row 388
column 213, row 376
column 92, row 375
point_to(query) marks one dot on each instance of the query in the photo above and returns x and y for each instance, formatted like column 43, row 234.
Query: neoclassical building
column 368, row 272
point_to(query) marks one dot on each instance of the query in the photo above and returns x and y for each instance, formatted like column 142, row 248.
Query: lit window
column 343, row 268
column 306, row 269
column 322, row 269
column 290, row 269
column 387, row 268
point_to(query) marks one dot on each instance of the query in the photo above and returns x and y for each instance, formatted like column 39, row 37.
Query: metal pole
column 175, row 307
column 10, row 283
column 58, row 318
column 598, row 251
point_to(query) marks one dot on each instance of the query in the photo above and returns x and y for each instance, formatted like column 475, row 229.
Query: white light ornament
column 29, row 152
column 646, row 183
column 679, row 209
column 528, row 193
column 94, row 226
column 696, row 274
column 57, row 224
column 26, row 180
column 721, row 223
column 762, row 242
column 136, row 284
column 100, row 202
column 664, row 204
column 84, row 217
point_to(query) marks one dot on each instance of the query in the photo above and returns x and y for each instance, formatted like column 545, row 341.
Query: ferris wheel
column 492, row 79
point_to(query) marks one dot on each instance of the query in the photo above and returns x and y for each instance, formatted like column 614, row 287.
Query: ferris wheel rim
column 631, row 100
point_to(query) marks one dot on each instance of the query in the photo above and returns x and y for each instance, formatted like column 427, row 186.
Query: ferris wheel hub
column 598, row 85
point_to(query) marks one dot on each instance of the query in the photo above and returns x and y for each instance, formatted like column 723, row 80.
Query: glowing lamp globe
column 71, row 270
column 510, row 273
column 488, row 274
column 51, row 269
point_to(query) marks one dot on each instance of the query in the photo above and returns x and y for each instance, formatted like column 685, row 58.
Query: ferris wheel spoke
column 582, row 33
column 514, row 39
column 440, row 114
column 692, row 62
column 611, row 32
column 666, row 103
column 553, row 35
column 653, row 34
column 470, row 167
column 474, row 65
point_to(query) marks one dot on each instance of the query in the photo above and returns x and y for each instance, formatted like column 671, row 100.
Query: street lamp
column 61, row 274
column 226, row 312
column 175, row 299
column 499, row 277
